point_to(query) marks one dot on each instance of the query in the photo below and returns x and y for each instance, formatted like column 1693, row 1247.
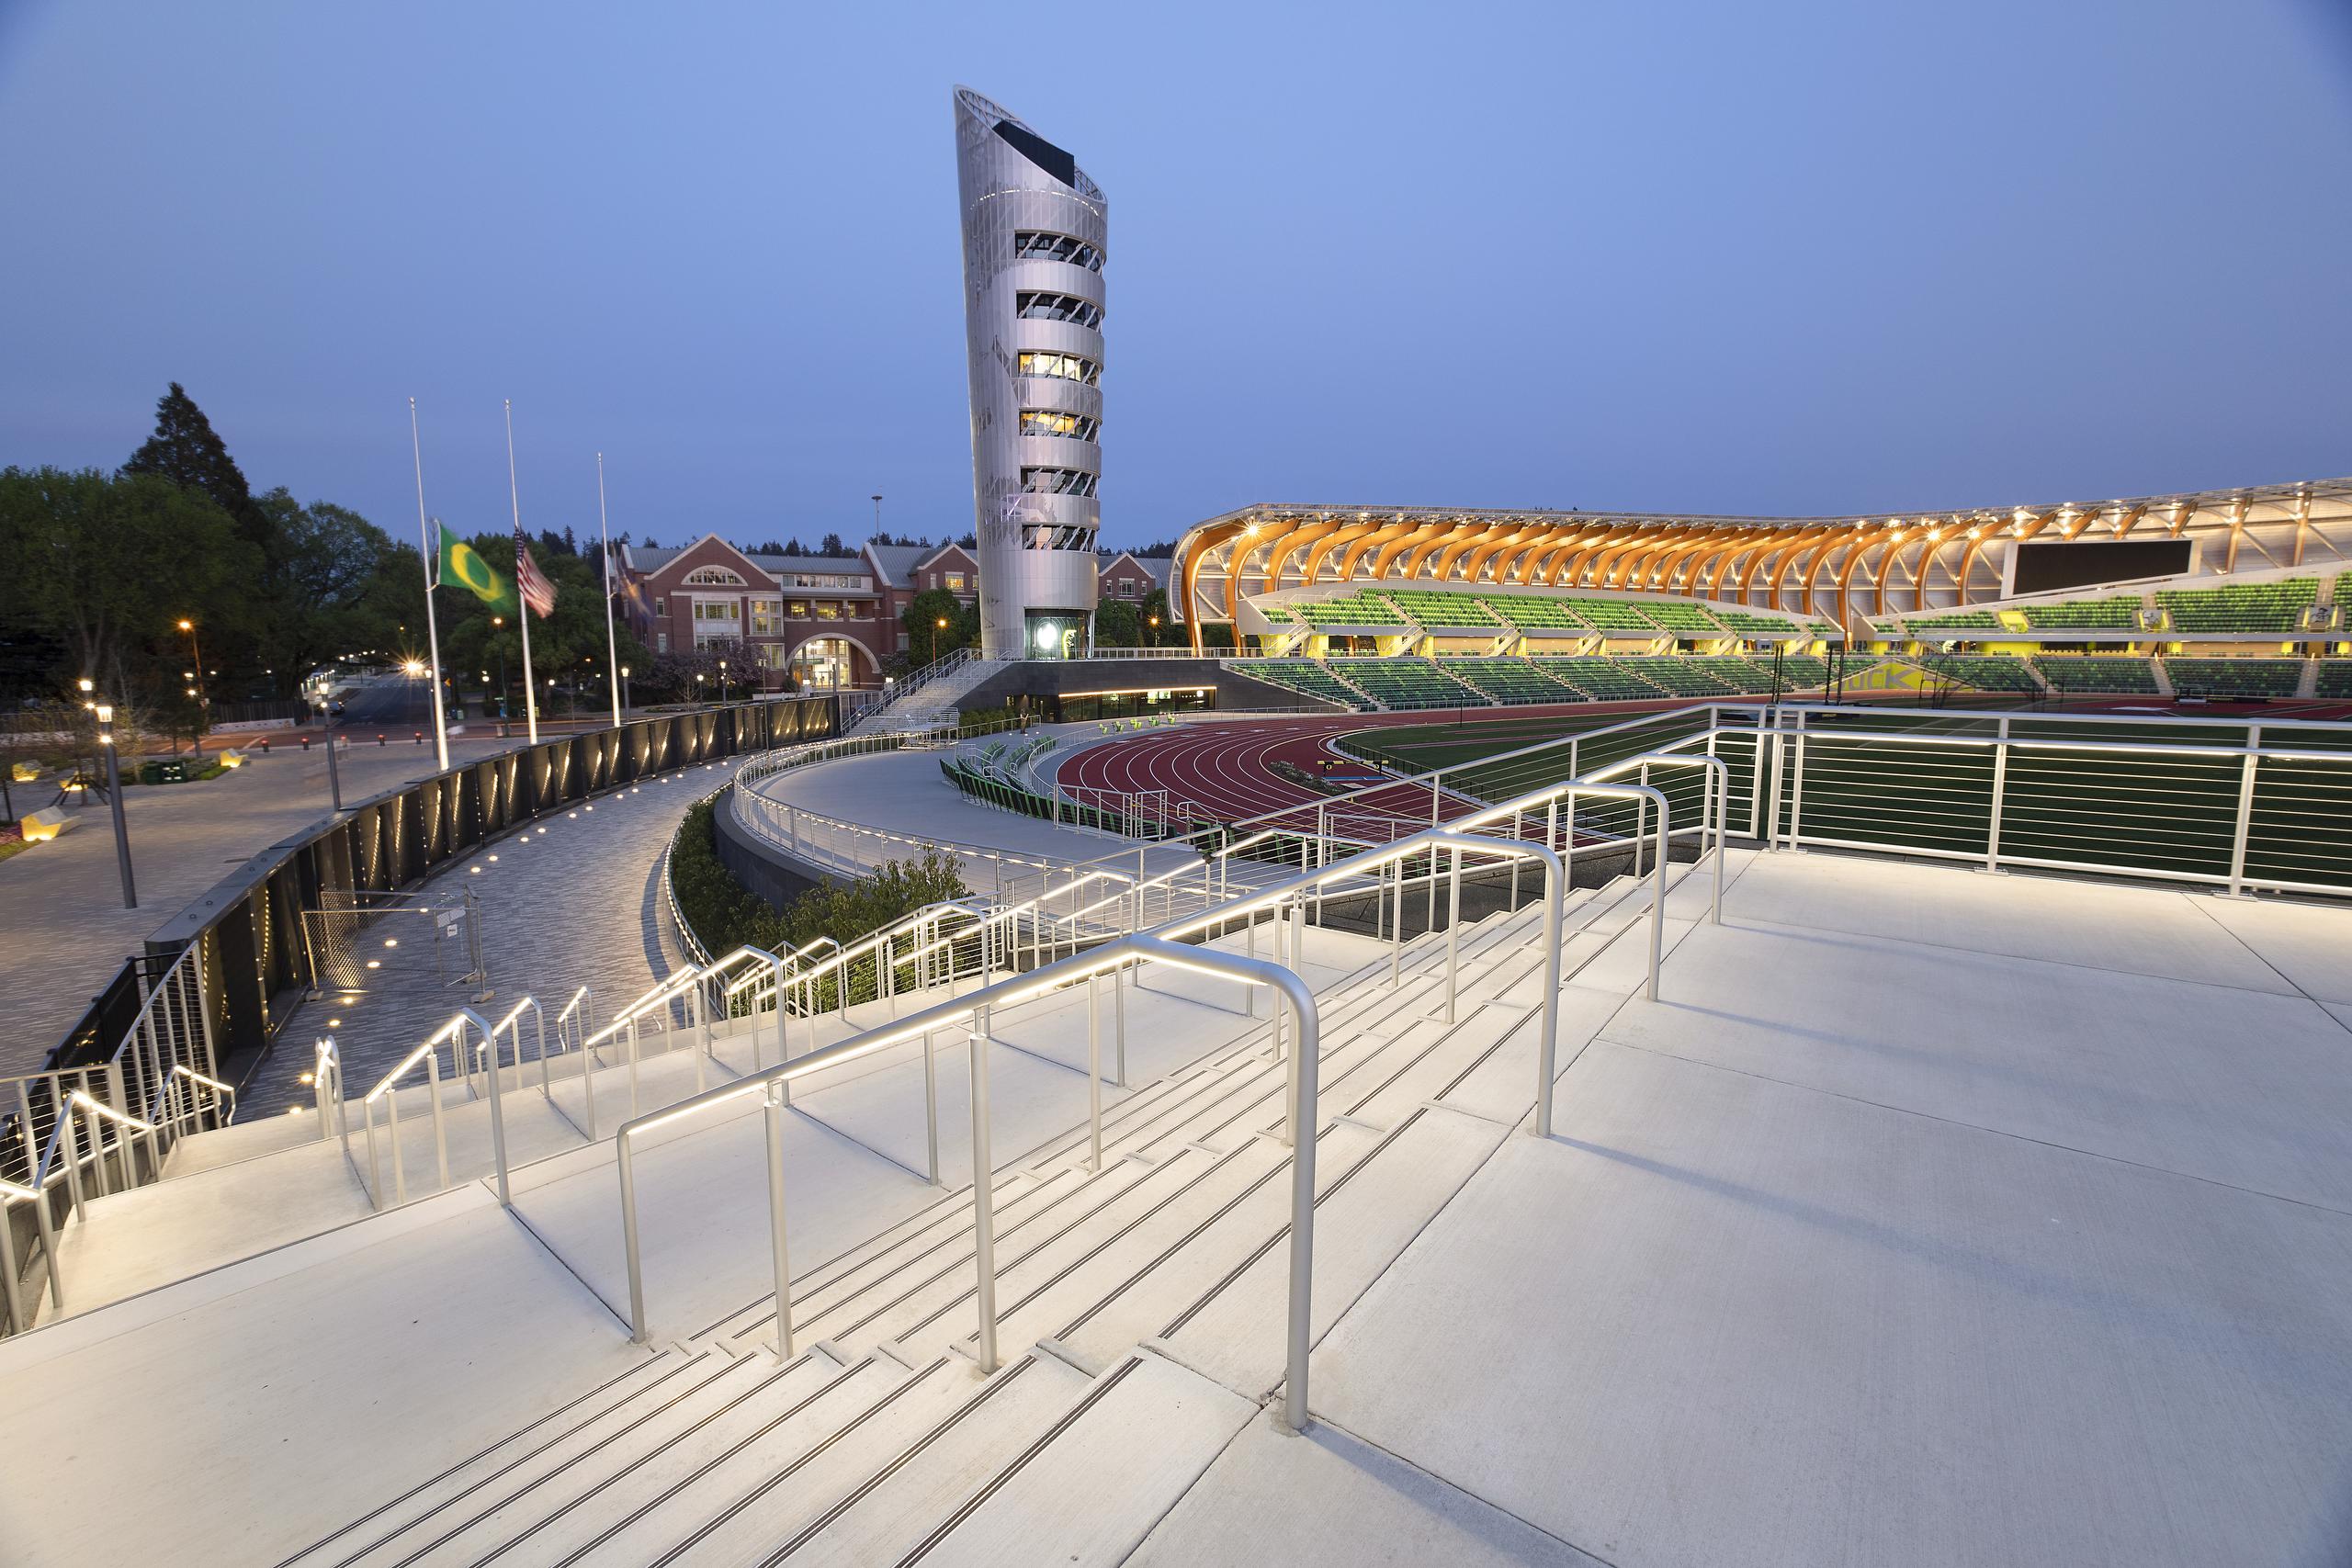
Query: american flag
column 538, row 592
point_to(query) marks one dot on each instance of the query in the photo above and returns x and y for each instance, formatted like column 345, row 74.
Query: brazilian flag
column 462, row 567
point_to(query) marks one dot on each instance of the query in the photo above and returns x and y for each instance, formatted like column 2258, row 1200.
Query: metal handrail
column 1163, row 945
column 453, row 1032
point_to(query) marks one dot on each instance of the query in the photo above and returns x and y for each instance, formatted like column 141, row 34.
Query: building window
column 713, row 577
column 1038, row 306
column 765, row 615
column 955, row 582
column 1057, row 536
column 661, row 642
column 1126, row 588
column 1057, row 481
column 828, row 611
column 797, row 609
column 1057, row 247
column 1052, row 422
column 717, row 610
column 1065, row 367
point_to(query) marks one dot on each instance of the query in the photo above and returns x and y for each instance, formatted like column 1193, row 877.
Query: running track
column 1225, row 765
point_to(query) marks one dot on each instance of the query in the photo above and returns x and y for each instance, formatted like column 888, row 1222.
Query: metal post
column 1249, row 993
column 1796, row 791
column 2000, row 783
column 440, row 1131
column 2245, row 810
column 1453, row 931
column 497, row 1118
column 776, row 1243
column 983, row 1192
column 392, row 1134
column 17, row 1322
column 121, row 830
column 1397, row 923
column 1094, row 1068
column 1119, row 1029
column 930, row 1102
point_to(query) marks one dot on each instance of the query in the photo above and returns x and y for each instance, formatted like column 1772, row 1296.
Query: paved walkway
column 575, row 901
column 63, row 931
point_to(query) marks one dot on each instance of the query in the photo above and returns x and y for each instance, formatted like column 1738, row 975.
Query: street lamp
column 496, row 622
column 626, row 703
column 114, row 793
column 195, row 653
column 699, row 679
column 1154, row 622
column 936, row 628
column 722, row 681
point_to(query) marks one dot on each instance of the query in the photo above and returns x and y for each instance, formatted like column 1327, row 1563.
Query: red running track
column 1225, row 765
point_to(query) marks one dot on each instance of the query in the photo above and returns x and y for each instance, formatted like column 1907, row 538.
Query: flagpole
column 612, row 639
column 432, row 630
column 522, row 610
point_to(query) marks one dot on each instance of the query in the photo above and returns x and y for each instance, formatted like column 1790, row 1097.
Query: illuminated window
column 1036, row 306
column 1057, row 481
column 765, row 615
column 1052, row 422
column 716, row 610
column 1065, row 367
column 955, row 582
column 1057, row 247
column 713, row 577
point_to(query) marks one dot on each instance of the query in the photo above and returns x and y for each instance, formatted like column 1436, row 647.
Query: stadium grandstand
column 2235, row 594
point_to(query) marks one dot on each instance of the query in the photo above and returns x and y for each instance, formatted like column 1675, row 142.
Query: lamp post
column 1153, row 621
column 936, row 628
column 625, row 703
column 114, row 794
column 195, row 653
column 722, row 682
column 698, row 683
column 496, row 622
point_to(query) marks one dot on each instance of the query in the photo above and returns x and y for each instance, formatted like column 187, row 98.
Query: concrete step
column 887, row 1514
column 1130, row 1270
column 1100, row 1478
column 783, row 1410
column 776, row 1498
column 513, row 1461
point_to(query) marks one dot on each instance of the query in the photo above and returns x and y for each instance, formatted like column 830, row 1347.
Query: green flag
column 462, row 567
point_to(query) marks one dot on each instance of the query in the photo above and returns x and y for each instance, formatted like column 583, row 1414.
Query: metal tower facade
column 1034, row 243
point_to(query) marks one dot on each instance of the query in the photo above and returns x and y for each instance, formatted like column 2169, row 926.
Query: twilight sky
column 1656, row 255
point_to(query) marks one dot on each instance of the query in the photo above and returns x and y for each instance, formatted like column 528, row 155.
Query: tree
column 830, row 545
column 106, row 566
column 1116, row 625
column 323, row 559
column 1154, row 606
column 923, row 614
column 186, row 451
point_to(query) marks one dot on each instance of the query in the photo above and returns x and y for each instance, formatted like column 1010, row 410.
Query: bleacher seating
column 1350, row 610
column 2094, row 672
column 2334, row 675
column 1689, row 677
column 1405, row 683
column 1683, row 619
column 1747, row 625
column 1306, row 676
column 2258, row 609
column 2235, row 677
column 2121, row 614
column 1614, row 615
column 1955, row 621
column 1278, row 614
column 1434, row 609
column 1984, row 671
column 1508, row 679
column 1601, row 678
column 1537, row 618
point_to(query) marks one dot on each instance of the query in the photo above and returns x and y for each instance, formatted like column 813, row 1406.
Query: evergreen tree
column 186, row 450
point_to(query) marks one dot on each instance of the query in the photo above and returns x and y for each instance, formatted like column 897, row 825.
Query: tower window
column 1051, row 422
column 1036, row 306
column 1067, row 366
column 1057, row 247
column 1057, row 481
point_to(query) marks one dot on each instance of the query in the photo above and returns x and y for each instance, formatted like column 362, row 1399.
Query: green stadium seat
column 1983, row 672
column 1306, row 676
column 2118, row 613
column 1509, row 679
column 2097, row 672
column 2258, row 609
column 2336, row 674
column 1431, row 608
column 2235, row 677
column 1407, row 682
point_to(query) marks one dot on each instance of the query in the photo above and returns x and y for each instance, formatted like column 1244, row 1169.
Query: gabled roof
column 896, row 564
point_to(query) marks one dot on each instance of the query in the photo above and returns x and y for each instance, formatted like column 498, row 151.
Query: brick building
column 815, row 622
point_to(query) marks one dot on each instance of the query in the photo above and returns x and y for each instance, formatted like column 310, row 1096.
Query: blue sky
column 1735, row 257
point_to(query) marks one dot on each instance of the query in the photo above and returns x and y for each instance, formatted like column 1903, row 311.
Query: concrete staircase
column 935, row 701
column 1149, row 1296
